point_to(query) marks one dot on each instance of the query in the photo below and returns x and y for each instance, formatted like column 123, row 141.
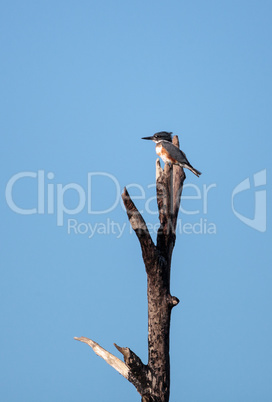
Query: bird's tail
column 195, row 171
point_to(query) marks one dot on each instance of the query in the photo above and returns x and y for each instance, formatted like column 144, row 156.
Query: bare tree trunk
column 152, row 381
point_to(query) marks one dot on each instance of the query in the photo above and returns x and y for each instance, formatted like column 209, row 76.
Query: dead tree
column 152, row 380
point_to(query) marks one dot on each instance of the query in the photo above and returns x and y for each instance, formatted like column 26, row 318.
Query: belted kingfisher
column 169, row 152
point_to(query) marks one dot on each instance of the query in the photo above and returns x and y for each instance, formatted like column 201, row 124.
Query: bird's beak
column 147, row 138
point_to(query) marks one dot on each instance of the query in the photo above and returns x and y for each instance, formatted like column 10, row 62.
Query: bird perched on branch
column 169, row 152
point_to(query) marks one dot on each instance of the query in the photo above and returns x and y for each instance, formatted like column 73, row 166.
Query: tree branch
column 133, row 369
column 113, row 361
column 139, row 226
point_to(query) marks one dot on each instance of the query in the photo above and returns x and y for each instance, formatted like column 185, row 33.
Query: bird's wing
column 175, row 152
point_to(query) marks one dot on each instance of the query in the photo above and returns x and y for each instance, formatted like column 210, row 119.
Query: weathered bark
column 152, row 381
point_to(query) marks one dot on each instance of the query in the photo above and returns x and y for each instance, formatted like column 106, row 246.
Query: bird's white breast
column 159, row 151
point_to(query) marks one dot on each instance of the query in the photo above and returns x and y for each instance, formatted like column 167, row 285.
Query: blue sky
column 81, row 83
